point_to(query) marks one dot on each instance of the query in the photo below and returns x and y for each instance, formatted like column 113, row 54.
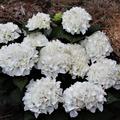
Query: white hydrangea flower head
column 98, row 46
column 54, row 59
column 42, row 96
column 83, row 95
column 40, row 21
column 17, row 59
column 36, row 39
column 103, row 72
column 79, row 60
column 76, row 20
column 9, row 32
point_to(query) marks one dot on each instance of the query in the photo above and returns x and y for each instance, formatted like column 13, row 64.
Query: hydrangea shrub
column 54, row 47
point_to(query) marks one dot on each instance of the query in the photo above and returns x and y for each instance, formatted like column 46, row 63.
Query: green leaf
column 20, row 82
column 47, row 32
column 2, row 79
column 111, row 98
column 5, row 84
column 57, row 17
column 0, row 70
column 59, row 33
column 28, row 116
column 4, row 100
column 93, row 29
column 15, row 97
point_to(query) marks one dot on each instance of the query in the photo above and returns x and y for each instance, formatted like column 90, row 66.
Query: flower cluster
column 57, row 57
column 54, row 59
column 42, row 96
column 76, row 20
column 83, row 95
column 103, row 72
column 35, row 40
column 9, row 32
column 39, row 21
column 17, row 59
column 97, row 46
column 79, row 60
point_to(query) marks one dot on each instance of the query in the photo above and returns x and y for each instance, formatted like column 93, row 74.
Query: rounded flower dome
column 39, row 21
column 53, row 59
column 9, row 32
column 83, row 95
column 97, row 46
column 57, row 57
column 76, row 20
column 17, row 59
column 79, row 60
column 42, row 96
column 104, row 72
column 36, row 39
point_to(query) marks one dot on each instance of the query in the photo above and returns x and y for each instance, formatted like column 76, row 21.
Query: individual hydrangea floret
column 36, row 40
column 39, row 21
column 9, row 32
column 103, row 72
column 79, row 60
column 117, row 84
column 42, row 96
column 17, row 59
column 97, row 46
column 83, row 95
column 53, row 59
column 76, row 20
